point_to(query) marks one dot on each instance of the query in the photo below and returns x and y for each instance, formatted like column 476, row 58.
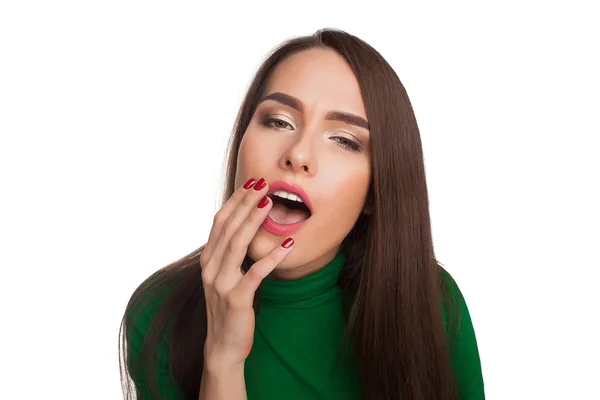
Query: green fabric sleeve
column 464, row 352
column 166, row 384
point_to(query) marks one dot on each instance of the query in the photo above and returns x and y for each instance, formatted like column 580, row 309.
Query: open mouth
column 286, row 212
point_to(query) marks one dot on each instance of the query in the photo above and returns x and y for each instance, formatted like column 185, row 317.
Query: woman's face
column 304, row 145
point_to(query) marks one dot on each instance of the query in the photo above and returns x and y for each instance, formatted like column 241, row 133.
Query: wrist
column 218, row 362
column 217, row 367
column 222, row 381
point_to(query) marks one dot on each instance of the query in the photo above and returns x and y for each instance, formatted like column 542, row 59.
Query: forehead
column 321, row 79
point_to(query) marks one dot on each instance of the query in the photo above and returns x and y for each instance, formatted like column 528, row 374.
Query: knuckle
column 255, row 271
column 227, row 231
column 207, row 278
column 237, row 196
column 239, row 192
column 219, row 218
column 235, row 244
column 234, row 197
column 249, row 200
column 271, row 258
column 220, row 289
column 232, row 300
column 251, row 274
column 203, row 260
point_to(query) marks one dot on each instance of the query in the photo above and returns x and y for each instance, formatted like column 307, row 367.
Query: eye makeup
column 281, row 125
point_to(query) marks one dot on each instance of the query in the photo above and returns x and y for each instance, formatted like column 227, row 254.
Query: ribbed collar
column 306, row 292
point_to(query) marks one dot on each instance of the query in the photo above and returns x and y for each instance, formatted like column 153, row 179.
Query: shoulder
column 157, row 303
column 461, row 337
column 145, row 335
column 139, row 314
column 457, row 319
column 453, row 301
column 145, row 301
column 448, row 283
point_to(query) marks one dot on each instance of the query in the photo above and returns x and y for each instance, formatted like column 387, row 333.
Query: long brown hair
column 395, row 320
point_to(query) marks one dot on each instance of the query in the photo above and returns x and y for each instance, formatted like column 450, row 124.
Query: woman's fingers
column 244, row 291
column 222, row 218
column 237, row 246
column 248, row 205
column 220, row 242
column 228, row 292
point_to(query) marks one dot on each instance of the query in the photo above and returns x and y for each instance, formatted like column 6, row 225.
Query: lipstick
column 295, row 189
column 279, row 229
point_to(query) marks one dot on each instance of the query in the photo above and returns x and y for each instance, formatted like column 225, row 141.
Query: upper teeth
column 285, row 195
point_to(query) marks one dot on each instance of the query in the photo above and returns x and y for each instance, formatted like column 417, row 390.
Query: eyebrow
column 296, row 104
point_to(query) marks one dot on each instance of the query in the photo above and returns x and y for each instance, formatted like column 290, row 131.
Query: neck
column 310, row 291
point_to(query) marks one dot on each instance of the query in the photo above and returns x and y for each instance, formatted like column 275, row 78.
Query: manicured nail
column 263, row 202
column 260, row 184
column 288, row 242
column 249, row 184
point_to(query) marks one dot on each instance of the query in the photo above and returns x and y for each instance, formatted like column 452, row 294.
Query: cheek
column 345, row 198
column 246, row 158
column 253, row 150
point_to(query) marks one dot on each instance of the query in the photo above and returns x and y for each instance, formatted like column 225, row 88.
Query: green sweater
column 298, row 333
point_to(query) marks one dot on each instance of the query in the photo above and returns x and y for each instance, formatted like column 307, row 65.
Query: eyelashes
column 268, row 121
column 347, row 143
column 280, row 125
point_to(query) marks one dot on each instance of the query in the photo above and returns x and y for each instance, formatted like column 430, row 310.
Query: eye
column 280, row 125
column 274, row 123
column 346, row 143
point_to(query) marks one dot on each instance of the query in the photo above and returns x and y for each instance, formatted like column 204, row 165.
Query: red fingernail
column 288, row 242
column 249, row 184
column 263, row 202
column 260, row 184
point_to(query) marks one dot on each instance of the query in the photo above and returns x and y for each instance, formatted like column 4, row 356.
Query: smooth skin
column 229, row 293
column 303, row 146
column 308, row 149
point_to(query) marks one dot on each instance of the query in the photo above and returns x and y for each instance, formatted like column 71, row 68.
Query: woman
column 318, row 280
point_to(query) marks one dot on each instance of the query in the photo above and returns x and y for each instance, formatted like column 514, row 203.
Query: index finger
column 222, row 215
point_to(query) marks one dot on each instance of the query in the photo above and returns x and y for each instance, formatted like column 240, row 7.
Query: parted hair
column 395, row 318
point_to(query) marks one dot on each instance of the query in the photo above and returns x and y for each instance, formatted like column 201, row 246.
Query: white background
column 114, row 117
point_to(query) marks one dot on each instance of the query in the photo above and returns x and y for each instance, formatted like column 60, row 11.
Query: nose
column 299, row 157
column 304, row 167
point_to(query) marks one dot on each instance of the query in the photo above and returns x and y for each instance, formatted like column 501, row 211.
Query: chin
column 264, row 242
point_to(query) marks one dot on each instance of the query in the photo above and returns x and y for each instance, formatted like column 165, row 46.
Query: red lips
column 290, row 188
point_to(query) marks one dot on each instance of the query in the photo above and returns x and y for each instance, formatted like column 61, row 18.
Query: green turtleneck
column 299, row 329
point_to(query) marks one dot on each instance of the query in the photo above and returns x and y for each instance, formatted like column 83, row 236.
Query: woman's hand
column 228, row 291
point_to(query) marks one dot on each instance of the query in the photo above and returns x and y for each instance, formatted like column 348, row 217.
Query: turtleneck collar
column 306, row 292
